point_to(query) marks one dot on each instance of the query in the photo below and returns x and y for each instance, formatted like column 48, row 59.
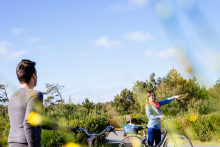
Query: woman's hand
column 162, row 117
column 178, row 97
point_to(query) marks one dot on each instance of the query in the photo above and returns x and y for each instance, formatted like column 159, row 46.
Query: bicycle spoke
column 178, row 141
column 132, row 142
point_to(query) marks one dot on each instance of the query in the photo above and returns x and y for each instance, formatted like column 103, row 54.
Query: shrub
column 204, row 128
column 92, row 123
column 202, row 106
column 52, row 138
column 4, row 141
column 139, row 119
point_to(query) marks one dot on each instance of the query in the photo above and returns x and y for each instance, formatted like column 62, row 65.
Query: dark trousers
column 154, row 135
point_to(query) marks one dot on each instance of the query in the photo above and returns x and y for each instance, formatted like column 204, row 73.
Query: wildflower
column 193, row 117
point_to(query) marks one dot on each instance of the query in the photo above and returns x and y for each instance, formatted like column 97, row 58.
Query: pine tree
column 3, row 94
column 88, row 105
column 124, row 102
column 54, row 94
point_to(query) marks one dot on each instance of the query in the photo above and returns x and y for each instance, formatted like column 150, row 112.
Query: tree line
column 195, row 96
column 133, row 101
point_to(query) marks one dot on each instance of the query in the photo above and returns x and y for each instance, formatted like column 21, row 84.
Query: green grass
column 196, row 142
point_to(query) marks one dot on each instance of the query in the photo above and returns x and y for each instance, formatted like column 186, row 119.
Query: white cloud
column 17, row 30
column 86, row 53
column 104, row 42
column 168, row 53
column 3, row 50
column 4, row 43
column 17, row 54
column 130, row 4
column 139, row 36
column 3, row 47
column 34, row 39
column 137, row 2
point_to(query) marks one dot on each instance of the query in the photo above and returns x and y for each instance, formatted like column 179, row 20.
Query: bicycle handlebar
column 170, row 118
column 108, row 129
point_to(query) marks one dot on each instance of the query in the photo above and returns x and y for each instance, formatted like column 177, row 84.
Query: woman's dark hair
column 25, row 70
column 149, row 93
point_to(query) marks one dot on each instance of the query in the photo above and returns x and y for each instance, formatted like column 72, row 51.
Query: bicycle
column 174, row 140
column 108, row 129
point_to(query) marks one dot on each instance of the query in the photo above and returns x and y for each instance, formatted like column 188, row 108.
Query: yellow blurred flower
column 34, row 119
column 71, row 144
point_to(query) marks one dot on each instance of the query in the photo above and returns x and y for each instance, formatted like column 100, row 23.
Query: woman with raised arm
column 155, row 116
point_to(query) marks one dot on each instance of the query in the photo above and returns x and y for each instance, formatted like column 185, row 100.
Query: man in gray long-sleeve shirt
column 21, row 104
column 26, row 101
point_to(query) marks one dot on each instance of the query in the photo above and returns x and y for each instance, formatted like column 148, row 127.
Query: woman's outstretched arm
column 166, row 101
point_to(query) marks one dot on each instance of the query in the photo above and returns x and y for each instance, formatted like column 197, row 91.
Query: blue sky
column 97, row 48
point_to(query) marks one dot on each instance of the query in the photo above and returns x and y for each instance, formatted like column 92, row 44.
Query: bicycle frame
column 145, row 141
column 90, row 139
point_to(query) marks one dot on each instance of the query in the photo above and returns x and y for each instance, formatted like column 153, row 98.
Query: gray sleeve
column 34, row 102
column 49, row 125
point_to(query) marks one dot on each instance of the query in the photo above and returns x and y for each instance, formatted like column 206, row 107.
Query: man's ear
column 33, row 76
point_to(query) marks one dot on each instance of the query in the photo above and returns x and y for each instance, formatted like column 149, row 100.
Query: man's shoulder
column 34, row 93
column 28, row 93
column 18, row 93
column 31, row 92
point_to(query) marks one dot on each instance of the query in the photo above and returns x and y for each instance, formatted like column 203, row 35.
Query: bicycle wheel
column 178, row 141
column 132, row 141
